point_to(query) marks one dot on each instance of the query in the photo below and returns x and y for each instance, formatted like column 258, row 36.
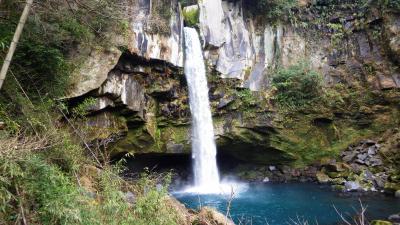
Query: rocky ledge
column 360, row 168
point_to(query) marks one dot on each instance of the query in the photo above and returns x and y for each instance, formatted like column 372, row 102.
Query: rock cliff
column 141, row 91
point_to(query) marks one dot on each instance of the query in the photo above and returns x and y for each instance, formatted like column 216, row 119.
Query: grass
column 51, row 175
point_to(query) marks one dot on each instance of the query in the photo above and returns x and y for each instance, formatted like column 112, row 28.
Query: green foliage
column 41, row 62
column 83, row 108
column 296, row 86
column 247, row 98
column 41, row 173
column 338, row 33
column 55, row 196
column 152, row 202
column 273, row 10
column 191, row 17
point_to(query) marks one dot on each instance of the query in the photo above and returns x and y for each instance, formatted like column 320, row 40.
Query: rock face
column 94, row 71
column 142, row 94
column 361, row 168
column 155, row 37
column 211, row 22
column 366, row 153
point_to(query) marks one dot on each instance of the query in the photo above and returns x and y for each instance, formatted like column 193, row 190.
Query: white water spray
column 206, row 177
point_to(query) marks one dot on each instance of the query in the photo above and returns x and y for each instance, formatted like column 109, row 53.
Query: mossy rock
column 337, row 167
column 322, row 177
column 395, row 178
column 338, row 181
column 381, row 222
column 391, row 187
column 343, row 174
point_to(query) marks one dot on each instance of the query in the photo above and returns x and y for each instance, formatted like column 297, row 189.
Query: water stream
column 206, row 177
column 288, row 203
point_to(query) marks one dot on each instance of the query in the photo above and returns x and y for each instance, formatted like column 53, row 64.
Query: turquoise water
column 277, row 204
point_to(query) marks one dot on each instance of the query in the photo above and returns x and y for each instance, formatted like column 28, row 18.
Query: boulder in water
column 352, row 186
column 322, row 178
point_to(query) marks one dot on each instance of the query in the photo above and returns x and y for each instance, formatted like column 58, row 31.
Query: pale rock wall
column 166, row 47
column 211, row 22
column 126, row 89
column 93, row 71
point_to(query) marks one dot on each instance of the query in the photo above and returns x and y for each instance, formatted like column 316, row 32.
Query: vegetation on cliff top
column 43, row 62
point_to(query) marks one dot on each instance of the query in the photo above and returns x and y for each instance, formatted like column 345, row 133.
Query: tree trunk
column 14, row 42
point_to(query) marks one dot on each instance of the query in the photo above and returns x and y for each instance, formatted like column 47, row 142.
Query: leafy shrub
column 272, row 9
column 247, row 98
column 191, row 17
column 41, row 175
column 296, row 86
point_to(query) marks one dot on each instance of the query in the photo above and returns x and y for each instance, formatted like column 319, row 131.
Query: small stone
column 296, row 173
column 362, row 156
column 349, row 157
column 322, row 177
column 397, row 194
column 376, row 162
column 379, row 182
column 359, row 149
column 395, row 218
column 285, row 169
column 372, row 150
column 352, row 186
column 265, row 180
column 368, row 175
column 359, row 161
column 130, row 197
column 90, row 194
column 272, row 168
column 356, row 168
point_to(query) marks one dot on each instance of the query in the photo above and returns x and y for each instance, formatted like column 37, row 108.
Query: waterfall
column 206, row 177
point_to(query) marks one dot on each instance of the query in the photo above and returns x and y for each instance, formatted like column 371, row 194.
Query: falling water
column 206, row 177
